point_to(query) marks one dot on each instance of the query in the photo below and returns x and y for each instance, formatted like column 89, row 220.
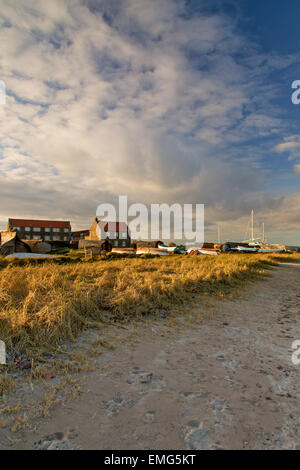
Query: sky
column 164, row 101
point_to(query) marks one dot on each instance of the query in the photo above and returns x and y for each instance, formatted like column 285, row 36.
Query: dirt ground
column 226, row 382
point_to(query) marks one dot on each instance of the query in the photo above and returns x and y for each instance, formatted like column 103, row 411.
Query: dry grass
column 106, row 343
column 41, row 305
column 6, row 384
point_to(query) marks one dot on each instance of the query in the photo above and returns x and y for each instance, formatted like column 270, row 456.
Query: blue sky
column 162, row 100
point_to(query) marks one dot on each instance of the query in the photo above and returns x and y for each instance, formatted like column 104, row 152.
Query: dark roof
column 38, row 223
column 79, row 232
column 82, row 231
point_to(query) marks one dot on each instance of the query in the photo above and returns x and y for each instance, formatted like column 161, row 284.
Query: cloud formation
column 291, row 146
column 130, row 97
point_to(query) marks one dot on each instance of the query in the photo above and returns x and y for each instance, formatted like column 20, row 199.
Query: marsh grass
column 43, row 304
column 6, row 384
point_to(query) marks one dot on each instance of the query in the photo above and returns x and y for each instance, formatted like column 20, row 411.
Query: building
column 11, row 243
column 47, row 230
column 116, row 232
column 79, row 235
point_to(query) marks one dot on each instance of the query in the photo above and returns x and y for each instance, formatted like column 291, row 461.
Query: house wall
column 7, row 236
column 120, row 242
column 97, row 233
column 10, row 243
column 147, row 244
column 43, row 233
column 93, row 232
column 80, row 235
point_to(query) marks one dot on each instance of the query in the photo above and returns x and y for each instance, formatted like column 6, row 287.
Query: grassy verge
column 6, row 384
column 43, row 304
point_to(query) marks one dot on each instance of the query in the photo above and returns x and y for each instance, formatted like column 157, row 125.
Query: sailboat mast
column 263, row 232
column 252, row 225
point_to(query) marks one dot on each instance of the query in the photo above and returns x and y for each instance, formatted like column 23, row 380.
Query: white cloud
column 291, row 146
column 287, row 147
column 127, row 97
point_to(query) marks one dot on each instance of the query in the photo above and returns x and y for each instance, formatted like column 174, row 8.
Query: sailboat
column 258, row 244
column 253, row 244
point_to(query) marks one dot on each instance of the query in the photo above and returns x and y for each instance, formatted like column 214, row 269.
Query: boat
column 254, row 242
column 152, row 251
column 208, row 252
column 265, row 250
column 245, row 249
column 123, row 251
column 29, row 255
column 195, row 250
column 172, row 249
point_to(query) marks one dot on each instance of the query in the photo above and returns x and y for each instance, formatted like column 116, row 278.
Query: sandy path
column 228, row 382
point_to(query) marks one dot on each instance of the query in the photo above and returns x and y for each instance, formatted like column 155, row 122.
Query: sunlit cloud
column 136, row 98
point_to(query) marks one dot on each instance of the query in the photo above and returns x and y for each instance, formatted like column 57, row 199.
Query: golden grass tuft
column 6, row 384
column 43, row 304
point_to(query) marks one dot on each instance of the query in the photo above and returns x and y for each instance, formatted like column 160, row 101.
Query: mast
column 252, row 239
column 219, row 234
column 263, row 232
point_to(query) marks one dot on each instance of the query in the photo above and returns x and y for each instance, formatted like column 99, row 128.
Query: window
column 27, row 229
column 36, row 237
column 56, row 230
column 36, row 229
column 108, row 234
column 115, row 243
column 66, row 239
column 47, row 238
column 16, row 228
column 56, row 238
column 47, row 229
column 66, row 230
column 124, row 243
column 124, row 234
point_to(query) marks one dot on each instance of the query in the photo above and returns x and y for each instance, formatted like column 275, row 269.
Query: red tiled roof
column 38, row 223
column 114, row 226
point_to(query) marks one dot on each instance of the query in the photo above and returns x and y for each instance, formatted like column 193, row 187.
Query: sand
column 227, row 382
